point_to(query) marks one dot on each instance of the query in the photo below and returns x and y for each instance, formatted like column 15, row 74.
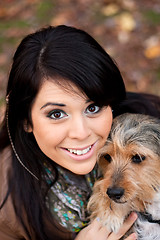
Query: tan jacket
column 10, row 228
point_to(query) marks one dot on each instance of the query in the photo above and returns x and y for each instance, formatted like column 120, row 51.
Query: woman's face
column 68, row 127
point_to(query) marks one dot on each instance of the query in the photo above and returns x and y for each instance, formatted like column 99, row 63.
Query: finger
column 129, row 222
column 126, row 226
column 133, row 236
column 104, row 233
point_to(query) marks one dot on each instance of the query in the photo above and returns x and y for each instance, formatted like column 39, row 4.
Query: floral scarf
column 67, row 198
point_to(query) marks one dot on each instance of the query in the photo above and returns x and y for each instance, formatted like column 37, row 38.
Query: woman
column 61, row 92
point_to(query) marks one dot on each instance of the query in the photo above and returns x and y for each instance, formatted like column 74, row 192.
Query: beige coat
column 10, row 228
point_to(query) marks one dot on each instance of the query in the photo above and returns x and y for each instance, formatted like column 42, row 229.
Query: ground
column 129, row 30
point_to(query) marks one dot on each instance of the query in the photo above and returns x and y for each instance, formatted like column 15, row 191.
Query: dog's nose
column 115, row 193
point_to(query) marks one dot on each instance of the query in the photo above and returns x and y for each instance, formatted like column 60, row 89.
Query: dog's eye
column 108, row 158
column 138, row 158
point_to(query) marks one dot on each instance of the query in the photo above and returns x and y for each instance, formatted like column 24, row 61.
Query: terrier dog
column 130, row 166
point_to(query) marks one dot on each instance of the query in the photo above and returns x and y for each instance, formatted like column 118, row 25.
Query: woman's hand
column 95, row 231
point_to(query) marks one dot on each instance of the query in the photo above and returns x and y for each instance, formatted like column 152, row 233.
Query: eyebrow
column 53, row 104
column 58, row 104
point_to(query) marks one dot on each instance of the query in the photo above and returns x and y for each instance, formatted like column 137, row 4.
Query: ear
column 27, row 127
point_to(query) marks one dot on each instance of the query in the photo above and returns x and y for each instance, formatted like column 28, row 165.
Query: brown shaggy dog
column 130, row 165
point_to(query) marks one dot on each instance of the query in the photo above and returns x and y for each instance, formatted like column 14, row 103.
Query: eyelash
column 61, row 112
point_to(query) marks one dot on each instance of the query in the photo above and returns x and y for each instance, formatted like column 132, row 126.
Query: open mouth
column 81, row 153
column 78, row 151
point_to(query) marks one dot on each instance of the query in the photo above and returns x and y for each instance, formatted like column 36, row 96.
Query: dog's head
column 130, row 161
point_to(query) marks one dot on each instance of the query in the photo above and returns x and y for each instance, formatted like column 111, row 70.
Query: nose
column 115, row 193
column 79, row 128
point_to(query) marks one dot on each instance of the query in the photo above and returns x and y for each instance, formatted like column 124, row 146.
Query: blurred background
column 129, row 30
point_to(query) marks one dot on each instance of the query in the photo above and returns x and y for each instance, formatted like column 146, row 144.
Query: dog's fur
column 130, row 165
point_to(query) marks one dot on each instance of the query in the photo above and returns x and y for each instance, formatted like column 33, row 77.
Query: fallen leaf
column 126, row 22
column 110, row 9
column 152, row 52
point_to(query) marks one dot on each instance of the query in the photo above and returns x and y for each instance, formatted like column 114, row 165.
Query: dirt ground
column 129, row 30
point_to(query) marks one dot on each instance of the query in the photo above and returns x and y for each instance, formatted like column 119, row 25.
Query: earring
column 26, row 127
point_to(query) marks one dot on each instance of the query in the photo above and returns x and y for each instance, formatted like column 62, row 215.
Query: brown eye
column 92, row 109
column 108, row 158
column 138, row 158
column 57, row 114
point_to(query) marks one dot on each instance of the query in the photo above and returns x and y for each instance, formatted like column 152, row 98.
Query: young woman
column 62, row 91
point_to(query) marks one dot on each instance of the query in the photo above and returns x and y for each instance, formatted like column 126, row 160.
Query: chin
column 82, row 170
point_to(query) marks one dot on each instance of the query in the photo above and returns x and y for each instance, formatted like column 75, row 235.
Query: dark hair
column 143, row 103
column 52, row 53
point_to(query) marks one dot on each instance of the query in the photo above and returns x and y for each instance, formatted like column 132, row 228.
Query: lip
column 81, row 157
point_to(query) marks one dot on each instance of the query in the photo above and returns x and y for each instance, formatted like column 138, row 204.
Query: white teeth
column 79, row 152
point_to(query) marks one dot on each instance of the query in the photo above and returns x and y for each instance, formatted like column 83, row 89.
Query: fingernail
column 134, row 236
column 133, row 216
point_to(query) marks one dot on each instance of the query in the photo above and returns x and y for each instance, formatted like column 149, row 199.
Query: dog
column 130, row 167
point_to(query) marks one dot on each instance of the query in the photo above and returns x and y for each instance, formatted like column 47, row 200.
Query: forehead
column 60, row 89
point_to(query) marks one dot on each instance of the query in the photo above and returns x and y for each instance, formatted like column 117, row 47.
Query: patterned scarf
column 67, row 198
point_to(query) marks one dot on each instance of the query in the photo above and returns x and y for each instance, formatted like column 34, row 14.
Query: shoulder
column 5, row 153
column 10, row 228
column 5, row 161
column 5, row 167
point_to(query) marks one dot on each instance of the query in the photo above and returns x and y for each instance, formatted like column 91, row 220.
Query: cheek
column 105, row 124
column 49, row 136
column 105, row 128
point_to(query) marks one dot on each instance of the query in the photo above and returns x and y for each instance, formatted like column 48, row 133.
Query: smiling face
column 68, row 127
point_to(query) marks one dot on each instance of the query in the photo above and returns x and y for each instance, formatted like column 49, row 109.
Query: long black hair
column 52, row 53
